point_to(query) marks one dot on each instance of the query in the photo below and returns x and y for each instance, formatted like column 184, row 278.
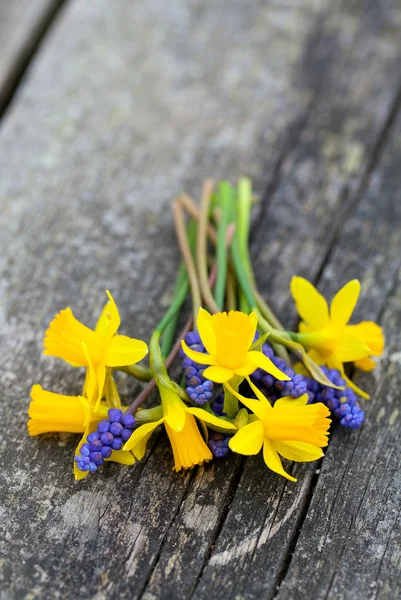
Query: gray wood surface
column 126, row 104
column 23, row 24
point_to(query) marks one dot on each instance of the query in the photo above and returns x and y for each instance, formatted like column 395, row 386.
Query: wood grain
column 126, row 105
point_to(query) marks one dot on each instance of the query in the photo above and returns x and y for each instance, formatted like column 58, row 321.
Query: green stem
column 139, row 372
column 231, row 292
column 170, row 328
column 225, row 198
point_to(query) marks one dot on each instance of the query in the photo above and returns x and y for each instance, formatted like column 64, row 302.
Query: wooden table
column 123, row 105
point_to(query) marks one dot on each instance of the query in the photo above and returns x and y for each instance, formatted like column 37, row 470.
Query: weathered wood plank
column 295, row 236
column 103, row 151
column 109, row 186
column 22, row 25
column 349, row 546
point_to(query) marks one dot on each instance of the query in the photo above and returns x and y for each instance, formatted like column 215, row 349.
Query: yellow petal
column 259, row 407
column 366, row 364
column 78, row 474
column 139, row 450
column 351, row 348
column 253, row 317
column 248, row 440
column 206, row 331
column 100, row 371
column 311, row 306
column 205, row 416
column 121, row 457
column 273, row 461
column 140, row 433
column 218, row 374
column 109, row 320
column 292, row 402
column 122, row 351
column 263, row 362
column 174, row 415
column 343, row 304
column 259, row 395
column 247, row 369
column 298, row 451
column 370, row 333
column 198, row 357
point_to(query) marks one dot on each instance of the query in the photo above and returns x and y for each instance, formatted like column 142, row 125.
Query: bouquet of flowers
column 248, row 384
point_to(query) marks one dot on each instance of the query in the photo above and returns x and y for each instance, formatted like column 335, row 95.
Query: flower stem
column 225, row 199
column 231, row 292
column 161, row 366
column 201, row 247
column 183, row 241
column 137, row 371
column 169, row 329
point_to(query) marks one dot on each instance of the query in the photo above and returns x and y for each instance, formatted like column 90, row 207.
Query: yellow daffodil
column 326, row 334
column 72, row 341
column 228, row 339
column 50, row 412
column 189, row 447
column 292, row 428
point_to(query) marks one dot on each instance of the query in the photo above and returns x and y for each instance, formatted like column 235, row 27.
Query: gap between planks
column 26, row 53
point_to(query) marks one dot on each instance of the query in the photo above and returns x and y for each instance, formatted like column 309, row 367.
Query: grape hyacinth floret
column 295, row 387
column 218, row 444
column 343, row 404
column 111, row 434
column 199, row 389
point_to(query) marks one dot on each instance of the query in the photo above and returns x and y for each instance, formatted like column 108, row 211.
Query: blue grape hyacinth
column 111, row 434
column 343, row 404
column 199, row 389
column 274, row 388
column 218, row 444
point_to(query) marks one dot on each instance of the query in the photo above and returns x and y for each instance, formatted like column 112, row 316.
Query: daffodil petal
column 175, row 416
column 311, row 306
column 109, row 320
column 198, row 357
column 206, row 331
column 258, row 407
column 122, row 351
column 140, row 433
column 139, row 450
column 263, row 362
column 365, row 364
column 247, row 369
column 292, row 402
column 371, row 333
column 259, row 395
column 121, row 457
column 343, row 304
column 100, row 371
column 253, row 317
column 248, row 440
column 205, row 416
column 298, row 451
column 273, row 461
column 351, row 348
column 218, row 374
column 78, row 474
